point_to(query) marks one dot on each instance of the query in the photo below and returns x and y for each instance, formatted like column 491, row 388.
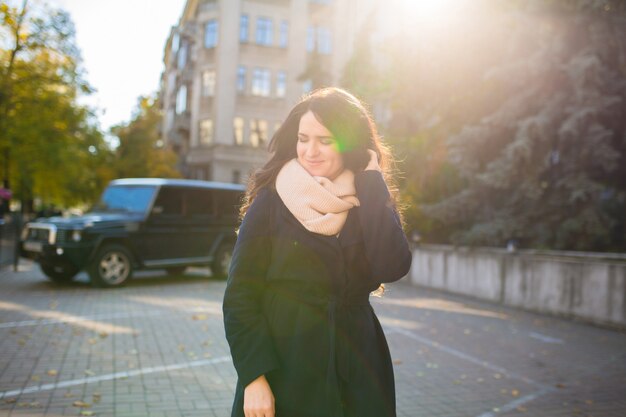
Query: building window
column 181, row 100
column 210, row 34
column 320, row 39
column 258, row 132
column 206, row 132
column 238, row 130
column 324, row 41
column 307, row 86
column 182, row 56
column 175, row 42
column 310, row 39
column 208, row 83
column 264, row 31
column 243, row 28
column 241, row 79
column 281, row 84
column 236, row 177
column 284, row 34
column 261, row 82
column 171, row 81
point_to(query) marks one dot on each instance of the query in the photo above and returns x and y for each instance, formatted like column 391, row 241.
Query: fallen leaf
column 10, row 400
column 68, row 395
column 89, row 372
column 81, row 404
column 199, row 317
column 515, row 393
column 52, row 372
column 86, row 413
column 35, row 378
column 397, row 362
column 96, row 397
column 181, row 348
column 103, row 335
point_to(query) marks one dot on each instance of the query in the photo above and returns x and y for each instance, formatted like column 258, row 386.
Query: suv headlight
column 77, row 235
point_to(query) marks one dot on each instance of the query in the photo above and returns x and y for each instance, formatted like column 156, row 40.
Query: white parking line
column 467, row 357
column 516, row 403
column 110, row 377
column 544, row 338
column 77, row 319
column 544, row 389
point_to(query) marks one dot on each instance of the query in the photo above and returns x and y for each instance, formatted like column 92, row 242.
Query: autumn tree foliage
column 140, row 152
column 509, row 122
column 51, row 147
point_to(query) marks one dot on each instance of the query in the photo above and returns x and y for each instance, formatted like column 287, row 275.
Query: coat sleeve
column 386, row 247
column 246, row 327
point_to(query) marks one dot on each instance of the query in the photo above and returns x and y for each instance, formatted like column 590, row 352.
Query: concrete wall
column 588, row 286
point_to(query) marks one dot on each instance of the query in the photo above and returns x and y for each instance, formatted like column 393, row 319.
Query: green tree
column 140, row 152
column 545, row 164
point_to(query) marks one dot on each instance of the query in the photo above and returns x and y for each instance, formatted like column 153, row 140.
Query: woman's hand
column 373, row 163
column 258, row 400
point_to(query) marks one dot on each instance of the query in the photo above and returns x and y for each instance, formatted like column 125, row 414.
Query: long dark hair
column 346, row 118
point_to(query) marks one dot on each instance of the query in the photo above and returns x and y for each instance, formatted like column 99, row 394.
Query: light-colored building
column 233, row 70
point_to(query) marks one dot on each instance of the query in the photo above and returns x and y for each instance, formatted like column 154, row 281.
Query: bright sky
column 122, row 44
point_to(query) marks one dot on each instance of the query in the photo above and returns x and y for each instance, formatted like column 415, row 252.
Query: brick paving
column 156, row 348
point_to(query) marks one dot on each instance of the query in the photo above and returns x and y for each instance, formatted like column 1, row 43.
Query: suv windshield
column 127, row 198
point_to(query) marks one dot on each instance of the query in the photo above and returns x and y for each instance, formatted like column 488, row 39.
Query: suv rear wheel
column 221, row 261
column 111, row 267
column 59, row 273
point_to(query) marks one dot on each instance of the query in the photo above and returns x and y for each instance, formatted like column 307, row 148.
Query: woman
column 319, row 234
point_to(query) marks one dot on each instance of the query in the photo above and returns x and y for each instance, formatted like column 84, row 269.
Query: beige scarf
column 321, row 205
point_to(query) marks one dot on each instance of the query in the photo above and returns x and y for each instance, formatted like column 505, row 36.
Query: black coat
column 296, row 306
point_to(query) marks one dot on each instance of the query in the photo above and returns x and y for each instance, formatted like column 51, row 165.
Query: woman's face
column 317, row 149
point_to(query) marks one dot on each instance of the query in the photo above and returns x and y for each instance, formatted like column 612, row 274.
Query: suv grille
column 61, row 235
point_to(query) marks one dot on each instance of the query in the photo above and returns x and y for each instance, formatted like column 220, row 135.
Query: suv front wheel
column 59, row 273
column 111, row 267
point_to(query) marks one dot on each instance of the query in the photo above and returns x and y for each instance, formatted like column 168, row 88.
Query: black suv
column 140, row 223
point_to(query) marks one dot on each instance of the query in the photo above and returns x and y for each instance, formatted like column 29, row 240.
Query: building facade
column 234, row 69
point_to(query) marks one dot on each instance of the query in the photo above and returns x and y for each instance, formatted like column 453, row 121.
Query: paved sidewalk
column 156, row 348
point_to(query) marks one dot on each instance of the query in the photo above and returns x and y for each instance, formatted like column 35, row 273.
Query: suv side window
column 169, row 203
column 227, row 205
column 200, row 204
